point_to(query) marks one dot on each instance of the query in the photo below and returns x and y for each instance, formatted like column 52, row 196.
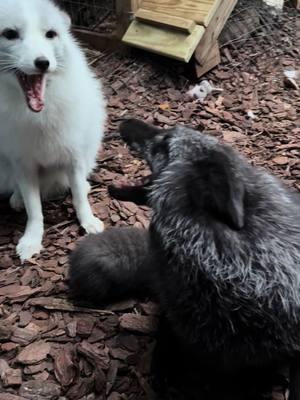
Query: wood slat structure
column 168, row 21
column 180, row 28
column 214, row 29
column 201, row 11
column 164, row 41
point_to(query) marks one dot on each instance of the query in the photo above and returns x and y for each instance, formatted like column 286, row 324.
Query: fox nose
column 42, row 64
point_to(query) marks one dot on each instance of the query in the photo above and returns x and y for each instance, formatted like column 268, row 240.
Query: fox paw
column 93, row 225
column 27, row 247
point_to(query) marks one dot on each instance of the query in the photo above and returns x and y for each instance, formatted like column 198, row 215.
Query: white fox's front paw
column 93, row 225
column 16, row 201
column 27, row 247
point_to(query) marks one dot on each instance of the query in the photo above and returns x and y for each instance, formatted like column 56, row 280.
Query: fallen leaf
column 281, row 160
column 164, row 106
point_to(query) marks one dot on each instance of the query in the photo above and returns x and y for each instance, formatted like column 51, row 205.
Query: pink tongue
column 33, row 87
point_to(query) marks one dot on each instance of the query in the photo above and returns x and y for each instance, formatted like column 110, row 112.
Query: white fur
column 41, row 152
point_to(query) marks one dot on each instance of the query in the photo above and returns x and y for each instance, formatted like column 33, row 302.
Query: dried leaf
column 281, row 160
column 164, row 106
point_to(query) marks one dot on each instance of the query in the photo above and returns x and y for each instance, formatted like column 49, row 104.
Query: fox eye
column 10, row 34
column 51, row 34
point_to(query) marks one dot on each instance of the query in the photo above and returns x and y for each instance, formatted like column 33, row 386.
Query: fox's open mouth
column 33, row 87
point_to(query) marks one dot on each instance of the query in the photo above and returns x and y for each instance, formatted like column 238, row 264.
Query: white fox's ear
column 67, row 19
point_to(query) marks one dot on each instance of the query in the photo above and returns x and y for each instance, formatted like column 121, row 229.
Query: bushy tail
column 111, row 266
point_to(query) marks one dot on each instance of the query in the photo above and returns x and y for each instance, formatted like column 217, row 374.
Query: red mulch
column 50, row 349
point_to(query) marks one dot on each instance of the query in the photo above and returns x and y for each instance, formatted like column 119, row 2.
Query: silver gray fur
column 225, row 237
column 232, row 293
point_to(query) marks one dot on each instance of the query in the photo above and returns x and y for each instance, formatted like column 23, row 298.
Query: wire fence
column 253, row 20
column 92, row 15
column 263, row 29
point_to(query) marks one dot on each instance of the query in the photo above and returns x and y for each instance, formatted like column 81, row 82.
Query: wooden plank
column 200, row 11
column 100, row 41
column 163, row 41
column 135, row 5
column 155, row 18
column 212, row 61
column 213, row 30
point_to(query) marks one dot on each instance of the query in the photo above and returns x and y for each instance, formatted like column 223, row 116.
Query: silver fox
column 224, row 250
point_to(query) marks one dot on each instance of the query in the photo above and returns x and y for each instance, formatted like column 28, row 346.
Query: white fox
column 52, row 115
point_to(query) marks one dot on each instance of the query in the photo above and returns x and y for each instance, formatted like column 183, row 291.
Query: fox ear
column 67, row 19
column 217, row 189
column 134, row 131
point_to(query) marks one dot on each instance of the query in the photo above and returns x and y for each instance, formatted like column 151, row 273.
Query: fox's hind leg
column 16, row 201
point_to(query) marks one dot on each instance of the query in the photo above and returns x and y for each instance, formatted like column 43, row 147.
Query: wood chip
column 39, row 390
column 10, row 376
column 34, row 353
column 50, row 303
column 64, row 367
column 138, row 323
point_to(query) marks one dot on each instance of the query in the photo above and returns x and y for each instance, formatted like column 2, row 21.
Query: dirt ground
column 50, row 349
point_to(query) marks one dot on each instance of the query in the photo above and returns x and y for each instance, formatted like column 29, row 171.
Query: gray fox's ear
column 134, row 131
column 215, row 188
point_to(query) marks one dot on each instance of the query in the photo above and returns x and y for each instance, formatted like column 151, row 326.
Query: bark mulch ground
column 50, row 349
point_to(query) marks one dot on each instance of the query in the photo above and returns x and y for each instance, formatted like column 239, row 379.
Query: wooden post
column 297, row 4
column 213, row 30
column 125, row 10
column 212, row 60
column 135, row 5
